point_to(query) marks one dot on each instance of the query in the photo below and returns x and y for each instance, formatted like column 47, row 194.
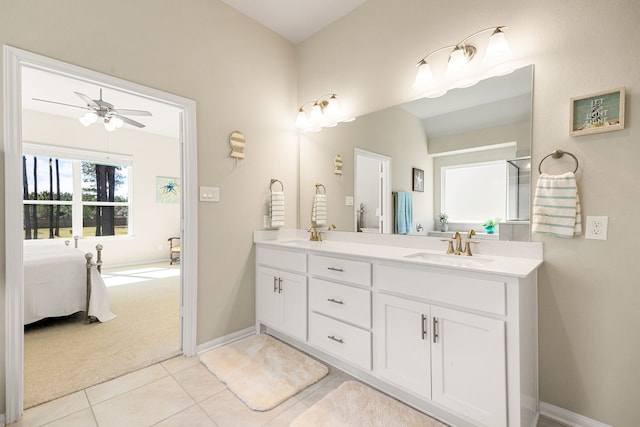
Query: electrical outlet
column 596, row 227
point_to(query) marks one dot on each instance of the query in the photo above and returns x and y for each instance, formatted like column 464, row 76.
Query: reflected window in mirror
column 475, row 192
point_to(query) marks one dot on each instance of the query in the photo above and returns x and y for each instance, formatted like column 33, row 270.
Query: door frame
column 384, row 188
column 14, row 60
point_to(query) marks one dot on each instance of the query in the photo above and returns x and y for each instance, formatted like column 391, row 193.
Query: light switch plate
column 348, row 201
column 209, row 194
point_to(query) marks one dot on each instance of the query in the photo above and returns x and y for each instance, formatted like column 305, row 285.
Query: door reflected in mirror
column 487, row 123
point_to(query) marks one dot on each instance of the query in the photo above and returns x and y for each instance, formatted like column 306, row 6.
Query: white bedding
column 55, row 284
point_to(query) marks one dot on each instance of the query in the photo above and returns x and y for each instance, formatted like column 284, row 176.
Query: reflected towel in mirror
column 319, row 210
column 276, row 207
column 403, row 211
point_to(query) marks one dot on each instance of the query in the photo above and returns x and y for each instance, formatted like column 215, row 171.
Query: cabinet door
column 281, row 301
column 293, row 294
column 403, row 346
column 267, row 297
column 468, row 365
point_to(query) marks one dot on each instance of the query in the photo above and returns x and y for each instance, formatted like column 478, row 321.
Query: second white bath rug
column 262, row 371
column 355, row 405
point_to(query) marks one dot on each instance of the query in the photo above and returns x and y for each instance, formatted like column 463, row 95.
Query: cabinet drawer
column 470, row 292
column 343, row 302
column 357, row 272
column 285, row 260
column 343, row 341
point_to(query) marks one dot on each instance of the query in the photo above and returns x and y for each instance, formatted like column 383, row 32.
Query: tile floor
column 175, row 393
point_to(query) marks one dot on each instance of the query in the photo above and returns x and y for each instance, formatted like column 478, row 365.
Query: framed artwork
column 418, row 179
column 598, row 112
column 167, row 190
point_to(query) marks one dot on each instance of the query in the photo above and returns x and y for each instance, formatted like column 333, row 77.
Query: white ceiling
column 295, row 20
column 41, row 84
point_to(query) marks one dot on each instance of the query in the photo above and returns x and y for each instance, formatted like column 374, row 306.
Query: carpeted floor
column 65, row 355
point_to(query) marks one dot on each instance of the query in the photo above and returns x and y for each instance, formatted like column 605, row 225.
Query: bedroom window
column 73, row 193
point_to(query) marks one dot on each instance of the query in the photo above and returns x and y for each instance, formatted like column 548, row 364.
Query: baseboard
column 235, row 336
column 567, row 417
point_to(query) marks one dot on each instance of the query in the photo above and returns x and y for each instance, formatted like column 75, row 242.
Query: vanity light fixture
column 460, row 69
column 324, row 112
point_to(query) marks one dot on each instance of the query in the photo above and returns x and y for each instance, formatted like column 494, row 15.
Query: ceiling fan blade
column 59, row 103
column 90, row 102
column 132, row 112
column 127, row 120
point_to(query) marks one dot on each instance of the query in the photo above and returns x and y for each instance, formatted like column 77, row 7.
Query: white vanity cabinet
column 443, row 337
column 281, row 291
column 459, row 344
column 340, row 308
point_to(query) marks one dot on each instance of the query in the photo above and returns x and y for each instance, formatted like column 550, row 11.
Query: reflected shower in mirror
column 467, row 130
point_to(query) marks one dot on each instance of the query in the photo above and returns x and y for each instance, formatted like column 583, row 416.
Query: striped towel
column 319, row 210
column 276, row 209
column 556, row 206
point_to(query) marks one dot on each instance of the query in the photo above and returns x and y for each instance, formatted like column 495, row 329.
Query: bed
column 62, row 280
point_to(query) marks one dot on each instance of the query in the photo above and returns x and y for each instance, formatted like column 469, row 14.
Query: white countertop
column 515, row 259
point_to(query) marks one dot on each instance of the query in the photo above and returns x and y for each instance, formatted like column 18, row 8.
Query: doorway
column 14, row 62
column 372, row 191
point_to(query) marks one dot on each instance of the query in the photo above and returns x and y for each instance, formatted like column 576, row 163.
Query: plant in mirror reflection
column 443, row 218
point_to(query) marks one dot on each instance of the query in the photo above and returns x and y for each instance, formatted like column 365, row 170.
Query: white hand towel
column 319, row 210
column 556, row 206
column 277, row 209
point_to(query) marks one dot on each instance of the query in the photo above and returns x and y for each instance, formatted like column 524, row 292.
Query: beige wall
column 152, row 155
column 588, row 290
column 242, row 76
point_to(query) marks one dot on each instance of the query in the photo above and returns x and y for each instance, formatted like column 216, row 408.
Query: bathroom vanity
column 452, row 335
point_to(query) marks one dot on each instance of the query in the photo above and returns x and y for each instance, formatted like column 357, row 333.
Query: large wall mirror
column 471, row 147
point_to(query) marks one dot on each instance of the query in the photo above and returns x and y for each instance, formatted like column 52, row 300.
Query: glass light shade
column 91, row 117
column 110, row 125
column 457, row 60
column 332, row 112
column 498, row 45
column 118, row 122
column 424, row 76
column 84, row 121
column 315, row 118
column 301, row 119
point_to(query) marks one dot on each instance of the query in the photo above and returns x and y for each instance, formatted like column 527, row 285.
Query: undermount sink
column 450, row 259
column 302, row 243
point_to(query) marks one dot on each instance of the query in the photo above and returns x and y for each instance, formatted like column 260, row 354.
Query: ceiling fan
column 113, row 118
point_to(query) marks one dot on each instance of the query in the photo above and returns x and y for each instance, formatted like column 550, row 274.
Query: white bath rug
column 262, row 371
column 356, row 405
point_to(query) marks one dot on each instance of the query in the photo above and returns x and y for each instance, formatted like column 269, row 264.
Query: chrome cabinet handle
column 275, row 284
column 279, row 285
column 335, row 269
column 335, row 301
column 331, row 337
column 436, row 331
column 424, row 327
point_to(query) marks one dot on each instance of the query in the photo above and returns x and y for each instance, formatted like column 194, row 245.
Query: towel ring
column 318, row 189
column 556, row 155
column 273, row 181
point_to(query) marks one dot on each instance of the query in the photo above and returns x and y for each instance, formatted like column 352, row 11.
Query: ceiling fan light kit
column 98, row 108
